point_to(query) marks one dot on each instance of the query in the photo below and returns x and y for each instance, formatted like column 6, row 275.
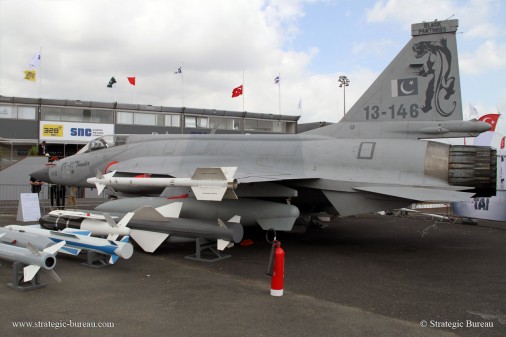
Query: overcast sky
column 310, row 43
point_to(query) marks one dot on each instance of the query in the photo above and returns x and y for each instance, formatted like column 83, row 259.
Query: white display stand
column 29, row 207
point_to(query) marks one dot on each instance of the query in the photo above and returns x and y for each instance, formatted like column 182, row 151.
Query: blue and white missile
column 33, row 258
column 76, row 240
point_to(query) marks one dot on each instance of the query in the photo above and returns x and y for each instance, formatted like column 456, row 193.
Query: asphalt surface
column 361, row 276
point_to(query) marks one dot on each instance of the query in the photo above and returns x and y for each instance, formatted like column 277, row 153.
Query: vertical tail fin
column 422, row 82
column 416, row 96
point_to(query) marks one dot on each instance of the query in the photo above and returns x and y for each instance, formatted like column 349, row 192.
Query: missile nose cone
column 41, row 174
column 482, row 126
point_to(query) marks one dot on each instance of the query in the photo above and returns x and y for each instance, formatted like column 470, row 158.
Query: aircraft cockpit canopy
column 104, row 142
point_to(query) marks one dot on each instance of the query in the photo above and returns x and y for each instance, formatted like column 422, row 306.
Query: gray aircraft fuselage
column 337, row 167
column 372, row 160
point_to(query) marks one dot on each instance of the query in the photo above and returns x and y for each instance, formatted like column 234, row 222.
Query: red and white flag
column 490, row 119
column 237, row 91
column 131, row 80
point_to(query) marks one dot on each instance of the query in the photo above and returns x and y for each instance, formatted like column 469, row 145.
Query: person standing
column 35, row 185
column 43, row 149
column 72, row 196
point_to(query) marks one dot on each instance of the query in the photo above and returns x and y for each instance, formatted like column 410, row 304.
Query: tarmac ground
column 361, row 276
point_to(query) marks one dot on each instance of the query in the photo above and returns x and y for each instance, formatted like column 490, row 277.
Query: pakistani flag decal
column 405, row 87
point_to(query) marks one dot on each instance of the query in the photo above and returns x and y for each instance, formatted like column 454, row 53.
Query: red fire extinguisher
column 277, row 262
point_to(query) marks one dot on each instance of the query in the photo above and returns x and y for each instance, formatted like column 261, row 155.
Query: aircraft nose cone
column 41, row 174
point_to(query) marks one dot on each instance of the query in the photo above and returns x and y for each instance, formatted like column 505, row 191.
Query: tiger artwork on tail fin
column 438, row 68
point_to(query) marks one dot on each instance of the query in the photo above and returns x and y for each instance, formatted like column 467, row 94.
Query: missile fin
column 171, row 210
column 209, row 173
column 100, row 187
column 147, row 213
column 125, row 220
column 109, row 175
column 29, row 272
column 112, row 237
column 222, row 244
column 110, row 220
column 55, row 276
column 32, row 249
column 221, row 223
column 209, row 193
column 235, row 218
column 230, row 194
column 70, row 251
column 149, row 241
column 54, row 248
column 113, row 259
column 99, row 174
column 229, row 172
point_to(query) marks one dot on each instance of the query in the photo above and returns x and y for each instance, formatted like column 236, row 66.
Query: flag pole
column 243, row 90
column 279, row 91
column 40, row 73
column 182, row 85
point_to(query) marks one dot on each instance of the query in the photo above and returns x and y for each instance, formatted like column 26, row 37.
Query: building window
column 224, row 123
column 203, row 122
column 172, row 120
column 190, row 121
column 7, row 111
column 144, row 119
column 76, row 115
column 18, row 112
column 250, row 125
column 123, row 117
column 258, row 125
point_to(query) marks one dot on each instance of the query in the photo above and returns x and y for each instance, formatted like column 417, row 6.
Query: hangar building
column 66, row 125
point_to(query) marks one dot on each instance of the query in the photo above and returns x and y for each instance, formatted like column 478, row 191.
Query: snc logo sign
column 80, row 132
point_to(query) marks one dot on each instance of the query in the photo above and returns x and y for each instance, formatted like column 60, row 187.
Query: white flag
column 35, row 63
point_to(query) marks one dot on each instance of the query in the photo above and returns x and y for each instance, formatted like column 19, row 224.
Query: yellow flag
column 31, row 75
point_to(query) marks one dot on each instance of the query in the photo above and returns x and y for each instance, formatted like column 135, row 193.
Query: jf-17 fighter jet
column 374, row 159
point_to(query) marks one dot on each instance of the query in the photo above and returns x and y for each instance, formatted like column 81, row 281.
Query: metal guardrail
column 9, row 199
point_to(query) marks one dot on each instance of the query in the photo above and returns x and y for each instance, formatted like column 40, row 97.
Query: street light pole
column 344, row 83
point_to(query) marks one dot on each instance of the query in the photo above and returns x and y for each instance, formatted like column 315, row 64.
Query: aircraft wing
column 244, row 174
column 256, row 176
column 418, row 193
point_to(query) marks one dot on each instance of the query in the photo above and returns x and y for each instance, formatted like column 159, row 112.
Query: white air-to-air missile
column 33, row 258
column 97, row 224
column 213, row 183
column 76, row 240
